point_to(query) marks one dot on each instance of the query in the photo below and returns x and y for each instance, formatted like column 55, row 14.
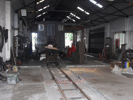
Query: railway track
column 68, row 88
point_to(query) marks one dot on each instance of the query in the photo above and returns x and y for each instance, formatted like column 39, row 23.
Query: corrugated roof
column 59, row 9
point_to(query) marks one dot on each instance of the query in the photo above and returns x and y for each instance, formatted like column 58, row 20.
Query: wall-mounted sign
column 23, row 12
column 60, row 27
column 41, row 27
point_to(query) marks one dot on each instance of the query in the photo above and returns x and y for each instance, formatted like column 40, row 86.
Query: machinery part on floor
column 12, row 79
column 15, row 68
column 52, row 56
column 59, row 81
column 129, row 55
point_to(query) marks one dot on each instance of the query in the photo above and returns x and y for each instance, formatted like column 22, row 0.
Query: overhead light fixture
column 93, row 1
column 40, row 9
column 80, row 9
column 78, row 17
column 43, row 19
column 96, row 3
column 99, row 5
column 44, row 8
column 41, row 14
column 63, row 21
column 40, row 1
column 87, row 13
column 68, row 17
column 83, row 10
column 74, row 15
column 71, row 18
column 44, row 13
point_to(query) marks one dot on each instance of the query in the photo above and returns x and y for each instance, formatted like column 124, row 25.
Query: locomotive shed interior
column 66, row 49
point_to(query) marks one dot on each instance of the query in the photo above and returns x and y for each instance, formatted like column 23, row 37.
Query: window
column 119, row 39
column 68, row 39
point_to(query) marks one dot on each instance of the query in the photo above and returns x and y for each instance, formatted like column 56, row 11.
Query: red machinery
column 70, row 50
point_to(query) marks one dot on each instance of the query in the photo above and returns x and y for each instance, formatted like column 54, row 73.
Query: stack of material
column 118, row 63
column 78, row 56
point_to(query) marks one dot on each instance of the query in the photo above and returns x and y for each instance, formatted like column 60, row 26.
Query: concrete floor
column 37, row 83
column 112, row 86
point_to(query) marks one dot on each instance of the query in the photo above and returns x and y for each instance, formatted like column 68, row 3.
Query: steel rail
column 70, row 79
column 57, row 83
column 75, row 84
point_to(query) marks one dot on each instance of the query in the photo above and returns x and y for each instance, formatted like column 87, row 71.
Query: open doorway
column 68, row 39
column 96, row 41
column 34, row 42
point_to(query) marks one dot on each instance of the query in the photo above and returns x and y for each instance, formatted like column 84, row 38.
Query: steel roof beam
column 25, row 6
column 79, row 14
column 118, row 9
column 98, row 21
column 112, row 14
column 94, row 13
